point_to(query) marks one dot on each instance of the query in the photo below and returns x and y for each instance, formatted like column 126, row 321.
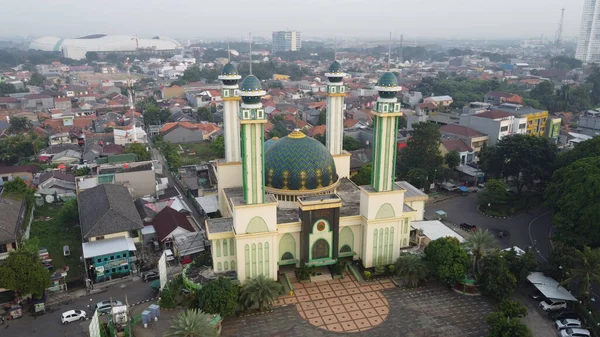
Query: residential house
column 186, row 132
column 358, row 159
column 199, row 180
column 9, row 103
column 440, row 101
column 49, row 152
column 110, row 227
column 499, row 97
column 173, row 91
column 495, row 123
column 9, row 173
column 311, row 116
column 169, row 224
column 537, row 120
column 412, row 98
column 426, row 108
column 124, row 137
column 61, row 138
column 318, row 130
column 466, row 153
column 11, row 224
column 55, row 180
column 63, row 103
column 199, row 99
column 38, row 102
column 363, row 115
column 139, row 176
column 471, row 137
column 67, row 157
column 75, row 91
column 475, row 108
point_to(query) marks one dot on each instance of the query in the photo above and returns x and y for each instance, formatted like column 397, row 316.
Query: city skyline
column 355, row 18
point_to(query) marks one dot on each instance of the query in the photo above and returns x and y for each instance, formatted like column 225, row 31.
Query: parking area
column 432, row 310
column 536, row 319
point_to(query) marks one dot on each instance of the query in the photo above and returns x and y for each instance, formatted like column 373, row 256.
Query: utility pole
column 401, row 47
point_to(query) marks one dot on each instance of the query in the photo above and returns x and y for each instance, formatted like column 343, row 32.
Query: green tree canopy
column 520, row 266
column 452, row 159
column 512, row 309
column 412, row 269
column 171, row 154
column 363, row 177
column 422, row 150
column 494, row 192
column 16, row 147
column 574, row 194
column 501, row 326
column 585, row 272
column 83, row 171
column 19, row 124
column 192, row 323
column 447, row 260
column 36, row 79
column 139, row 150
column 260, row 291
column 351, row 144
column 219, row 297
column 23, row 271
column 522, row 159
column 588, row 148
column 480, row 243
column 16, row 187
column 217, row 146
column 496, row 280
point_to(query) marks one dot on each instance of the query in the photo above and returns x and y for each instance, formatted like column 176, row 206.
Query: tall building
column 286, row 41
column 588, row 45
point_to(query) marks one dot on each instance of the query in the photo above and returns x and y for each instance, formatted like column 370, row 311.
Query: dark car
column 149, row 276
column 563, row 314
column 537, row 296
column 468, row 227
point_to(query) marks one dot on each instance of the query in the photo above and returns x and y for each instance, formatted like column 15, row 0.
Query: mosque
column 290, row 202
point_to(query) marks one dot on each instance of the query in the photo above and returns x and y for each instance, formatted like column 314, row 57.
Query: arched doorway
column 320, row 249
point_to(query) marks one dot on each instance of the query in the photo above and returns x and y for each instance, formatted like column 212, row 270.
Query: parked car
column 468, row 227
column 575, row 332
column 169, row 253
column 562, row 314
column 551, row 305
column 537, row 295
column 104, row 306
column 149, row 276
column 72, row 316
column 567, row 323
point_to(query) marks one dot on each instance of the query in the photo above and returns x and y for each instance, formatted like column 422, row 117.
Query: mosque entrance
column 320, row 250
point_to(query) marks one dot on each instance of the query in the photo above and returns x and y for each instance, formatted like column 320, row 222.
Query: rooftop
column 219, row 225
column 517, row 109
column 412, row 192
column 10, row 221
column 350, row 195
column 107, row 246
column 494, row 114
column 460, row 130
column 436, row 230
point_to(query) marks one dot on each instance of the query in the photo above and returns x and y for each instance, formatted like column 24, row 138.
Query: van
column 169, row 255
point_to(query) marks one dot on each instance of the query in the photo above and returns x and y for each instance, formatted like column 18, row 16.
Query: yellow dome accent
column 296, row 134
column 275, row 138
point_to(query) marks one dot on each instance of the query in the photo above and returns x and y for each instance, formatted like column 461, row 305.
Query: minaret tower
column 336, row 91
column 387, row 110
column 252, row 119
column 231, row 108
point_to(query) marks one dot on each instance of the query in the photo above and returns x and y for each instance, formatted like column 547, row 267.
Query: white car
column 568, row 323
column 72, row 316
column 551, row 305
column 104, row 306
column 574, row 332
column 169, row 254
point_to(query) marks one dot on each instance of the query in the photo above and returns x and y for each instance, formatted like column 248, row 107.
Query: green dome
column 388, row 80
column 250, row 84
column 229, row 69
column 297, row 162
column 335, row 67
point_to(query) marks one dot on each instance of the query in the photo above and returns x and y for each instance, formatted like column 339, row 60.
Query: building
column 412, row 98
column 186, row 132
column 139, row 176
column 588, row 43
column 465, row 152
column 286, row 41
column 473, row 138
column 290, row 205
column 536, row 119
column 38, row 102
column 9, row 173
column 11, row 224
column 475, row 108
column 110, row 227
column 499, row 97
column 440, row 101
column 9, row 103
column 496, row 124
column 129, row 136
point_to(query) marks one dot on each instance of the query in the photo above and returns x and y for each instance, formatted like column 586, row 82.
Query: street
column 526, row 229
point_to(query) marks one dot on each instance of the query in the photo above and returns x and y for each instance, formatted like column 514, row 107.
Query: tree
column 363, row 177
column 521, row 159
column 23, row 271
column 351, row 144
column 501, row 326
column 594, row 81
column 217, row 146
column 520, row 266
column 7, row 88
column 139, row 150
column 574, row 196
column 422, row 150
column 589, row 148
column 512, row 309
column 412, row 269
column 480, row 242
column 192, row 323
column 91, row 56
column 219, row 297
column 586, row 271
column 169, row 150
column 36, row 79
column 496, row 280
column 261, row 291
column 447, row 260
column 203, row 259
column 83, row 171
column 322, row 117
column 494, row 192
column 19, row 124
column 68, row 214
column 417, row 177
column 452, row 159
column 16, row 187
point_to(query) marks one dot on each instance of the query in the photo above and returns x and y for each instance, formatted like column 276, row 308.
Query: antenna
column 389, row 51
column 559, row 31
column 228, row 52
column 250, row 54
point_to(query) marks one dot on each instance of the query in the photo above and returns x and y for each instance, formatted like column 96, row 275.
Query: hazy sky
column 327, row 18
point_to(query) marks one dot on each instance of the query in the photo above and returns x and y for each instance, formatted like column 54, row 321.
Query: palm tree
column 412, row 269
column 586, row 271
column 479, row 243
column 260, row 290
column 192, row 323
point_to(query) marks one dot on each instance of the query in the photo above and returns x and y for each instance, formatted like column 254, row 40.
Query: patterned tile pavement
column 430, row 311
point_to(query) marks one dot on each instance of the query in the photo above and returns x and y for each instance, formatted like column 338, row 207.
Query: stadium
column 102, row 43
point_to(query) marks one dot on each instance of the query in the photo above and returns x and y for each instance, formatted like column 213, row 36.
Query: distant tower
column 387, row 111
column 252, row 119
column 231, row 108
column 401, row 48
column 559, row 31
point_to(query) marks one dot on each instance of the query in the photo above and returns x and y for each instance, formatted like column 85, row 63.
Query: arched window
column 260, row 258
column 232, row 265
column 247, row 260
column 287, row 256
column 266, row 259
column 231, row 248
column 226, row 265
column 345, row 249
column 218, row 245
column 225, row 251
column 374, row 247
column 253, row 260
column 219, row 266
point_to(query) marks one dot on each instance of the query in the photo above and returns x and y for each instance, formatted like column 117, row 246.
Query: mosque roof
column 335, row 67
column 388, row 79
column 229, row 69
column 297, row 162
column 251, row 84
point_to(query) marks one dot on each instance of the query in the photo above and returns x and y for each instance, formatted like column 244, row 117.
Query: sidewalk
column 98, row 288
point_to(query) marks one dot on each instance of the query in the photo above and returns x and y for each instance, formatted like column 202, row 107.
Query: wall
column 113, row 263
column 117, row 235
column 224, row 254
column 487, row 126
column 142, row 182
column 27, row 176
column 252, row 261
column 183, row 135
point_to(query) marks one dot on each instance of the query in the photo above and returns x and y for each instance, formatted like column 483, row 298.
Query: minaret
column 336, row 91
column 231, row 109
column 387, row 110
column 252, row 119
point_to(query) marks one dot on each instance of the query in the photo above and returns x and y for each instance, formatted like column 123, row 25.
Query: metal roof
column 108, row 246
column 435, row 229
column 549, row 287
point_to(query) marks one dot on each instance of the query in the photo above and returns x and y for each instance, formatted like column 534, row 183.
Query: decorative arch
column 219, row 266
column 218, row 245
column 346, row 239
column 385, row 211
column 232, row 265
column 321, row 225
column 287, row 246
column 226, row 265
column 225, row 251
column 257, row 225
column 320, row 249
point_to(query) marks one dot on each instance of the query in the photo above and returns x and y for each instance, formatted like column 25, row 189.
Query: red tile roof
column 348, row 123
column 37, row 96
column 62, row 99
column 460, row 130
column 318, row 130
column 427, row 105
column 206, row 127
column 8, row 100
column 167, row 220
column 456, row 144
column 494, row 114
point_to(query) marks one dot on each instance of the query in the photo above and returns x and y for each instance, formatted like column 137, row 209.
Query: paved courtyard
column 429, row 311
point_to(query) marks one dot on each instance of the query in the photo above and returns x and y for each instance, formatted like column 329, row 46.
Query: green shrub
column 379, row 270
column 367, row 275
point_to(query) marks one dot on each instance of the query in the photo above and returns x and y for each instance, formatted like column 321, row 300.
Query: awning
column 549, row 287
column 463, row 189
column 209, row 203
column 107, row 246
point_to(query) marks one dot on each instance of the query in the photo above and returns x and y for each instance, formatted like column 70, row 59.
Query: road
column 49, row 325
column 526, row 229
